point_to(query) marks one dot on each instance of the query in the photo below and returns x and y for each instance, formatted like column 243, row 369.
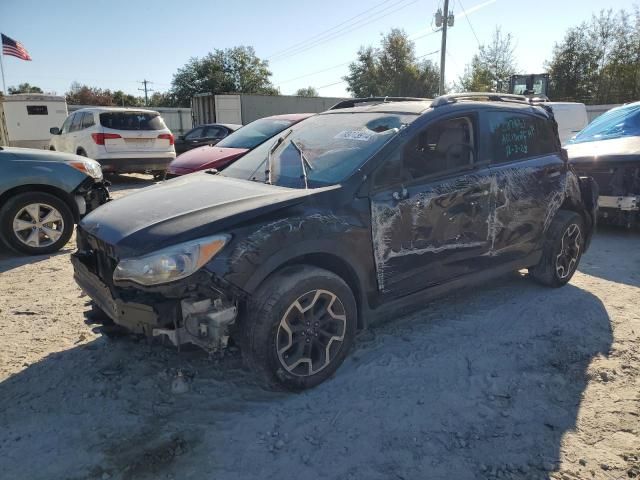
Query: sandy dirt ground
column 508, row 380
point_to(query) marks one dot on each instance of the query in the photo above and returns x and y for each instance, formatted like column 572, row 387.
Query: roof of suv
column 417, row 107
column 114, row 109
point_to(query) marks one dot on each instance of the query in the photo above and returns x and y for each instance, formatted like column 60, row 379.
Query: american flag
column 13, row 48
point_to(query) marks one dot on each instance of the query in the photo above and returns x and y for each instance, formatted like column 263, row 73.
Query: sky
column 119, row 43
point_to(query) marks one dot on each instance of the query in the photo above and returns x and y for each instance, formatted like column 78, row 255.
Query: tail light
column 167, row 136
column 99, row 138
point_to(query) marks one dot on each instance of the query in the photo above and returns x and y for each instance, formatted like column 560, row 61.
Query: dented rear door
column 529, row 179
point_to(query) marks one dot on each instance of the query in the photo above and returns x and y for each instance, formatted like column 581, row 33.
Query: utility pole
column 146, row 91
column 443, row 19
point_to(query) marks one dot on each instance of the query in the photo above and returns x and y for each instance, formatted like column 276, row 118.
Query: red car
column 234, row 146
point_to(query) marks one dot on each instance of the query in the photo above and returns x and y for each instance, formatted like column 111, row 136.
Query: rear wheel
column 562, row 250
column 36, row 223
column 158, row 175
column 299, row 327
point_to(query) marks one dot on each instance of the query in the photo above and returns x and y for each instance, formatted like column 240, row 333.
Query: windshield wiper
column 274, row 147
column 303, row 162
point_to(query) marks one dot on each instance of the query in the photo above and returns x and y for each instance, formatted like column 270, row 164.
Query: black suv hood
column 615, row 150
column 183, row 209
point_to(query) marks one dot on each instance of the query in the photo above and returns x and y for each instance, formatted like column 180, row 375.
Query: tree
column 392, row 69
column 79, row 94
column 598, row 61
column 24, row 88
column 491, row 67
column 163, row 99
column 307, row 92
column 233, row 70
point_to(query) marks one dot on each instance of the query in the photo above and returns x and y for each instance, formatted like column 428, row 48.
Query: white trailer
column 25, row 119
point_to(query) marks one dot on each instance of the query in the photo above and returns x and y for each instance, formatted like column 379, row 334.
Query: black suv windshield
column 328, row 148
column 255, row 133
column 132, row 121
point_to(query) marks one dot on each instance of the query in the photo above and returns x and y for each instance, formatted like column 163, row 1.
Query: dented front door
column 428, row 233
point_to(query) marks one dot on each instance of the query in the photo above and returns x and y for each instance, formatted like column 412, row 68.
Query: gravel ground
column 509, row 380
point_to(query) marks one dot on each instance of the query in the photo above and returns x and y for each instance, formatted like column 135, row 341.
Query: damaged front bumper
column 191, row 310
column 90, row 194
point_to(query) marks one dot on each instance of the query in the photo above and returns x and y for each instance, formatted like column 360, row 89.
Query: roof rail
column 352, row 102
column 490, row 96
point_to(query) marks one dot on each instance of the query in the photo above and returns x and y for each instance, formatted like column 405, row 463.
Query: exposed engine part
column 204, row 323
column 81, row 203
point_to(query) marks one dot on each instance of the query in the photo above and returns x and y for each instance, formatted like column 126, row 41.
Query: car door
column 213, row 134
column 430, row 206
column 530, row 178
column 62, row 142
column 74, row 132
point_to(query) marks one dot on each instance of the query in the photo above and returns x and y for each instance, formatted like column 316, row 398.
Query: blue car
column 608, row 150
column 43, row 194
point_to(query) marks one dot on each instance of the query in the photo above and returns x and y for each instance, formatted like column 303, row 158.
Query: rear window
column 132, row 121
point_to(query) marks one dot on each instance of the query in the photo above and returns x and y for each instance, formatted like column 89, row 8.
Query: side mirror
column 181, row 138
column 54, row 131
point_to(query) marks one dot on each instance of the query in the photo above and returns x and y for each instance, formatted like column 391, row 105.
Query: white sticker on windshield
column 354, row 135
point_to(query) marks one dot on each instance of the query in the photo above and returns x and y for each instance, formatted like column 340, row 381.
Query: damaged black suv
column 350, row 215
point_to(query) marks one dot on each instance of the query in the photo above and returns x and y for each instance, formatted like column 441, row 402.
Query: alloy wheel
column 38, row 225
column 567, row 259
column 311, row 332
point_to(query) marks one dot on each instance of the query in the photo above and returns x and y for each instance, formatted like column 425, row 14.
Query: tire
column 274, row 327
column 562, row 250
column 51, row 236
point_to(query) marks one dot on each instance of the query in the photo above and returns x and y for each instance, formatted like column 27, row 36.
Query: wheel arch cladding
column 50, row 189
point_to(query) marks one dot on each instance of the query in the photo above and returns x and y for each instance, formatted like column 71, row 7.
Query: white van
column 25, row 118
column 571, row 118
column 123, row 140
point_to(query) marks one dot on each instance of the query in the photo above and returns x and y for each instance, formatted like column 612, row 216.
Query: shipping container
column 245, row 108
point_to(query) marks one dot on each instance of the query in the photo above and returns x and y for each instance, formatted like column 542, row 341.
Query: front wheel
column 299, row 327
column 36, row 223
column 562, row 250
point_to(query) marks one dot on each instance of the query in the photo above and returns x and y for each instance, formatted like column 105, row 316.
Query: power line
column 354, row 26
column 314, row 73
column 327, row 30
column 469, row 22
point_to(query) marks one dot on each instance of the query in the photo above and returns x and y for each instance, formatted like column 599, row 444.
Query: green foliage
column 307, row 92
column 233, row 70
column 24, row 88
column 392, row 70
column 491, row 67
column 598, row 62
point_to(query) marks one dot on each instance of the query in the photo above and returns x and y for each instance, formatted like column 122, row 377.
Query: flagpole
column 4, row 86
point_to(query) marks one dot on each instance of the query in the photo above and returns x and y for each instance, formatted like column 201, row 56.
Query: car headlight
column 88, row 166
column 172, row 263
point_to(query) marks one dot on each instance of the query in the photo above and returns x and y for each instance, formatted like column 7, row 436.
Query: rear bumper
column 134, row 165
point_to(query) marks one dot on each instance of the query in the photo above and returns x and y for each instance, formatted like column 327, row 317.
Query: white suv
column 124, row 140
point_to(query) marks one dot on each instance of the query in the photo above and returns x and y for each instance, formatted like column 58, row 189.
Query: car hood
column 204, row 156
column 615, row 150
column 36, row 155
column 183, row 209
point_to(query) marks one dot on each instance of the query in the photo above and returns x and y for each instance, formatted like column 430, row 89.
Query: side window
column 515, row 136
column 214, row 132
column 87, row 120
column 444, row 146
column 75, row 124
column 193, row 134
column 67, row 124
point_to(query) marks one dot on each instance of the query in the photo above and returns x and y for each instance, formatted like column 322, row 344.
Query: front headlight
column 172, row 263
column 88, row 166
